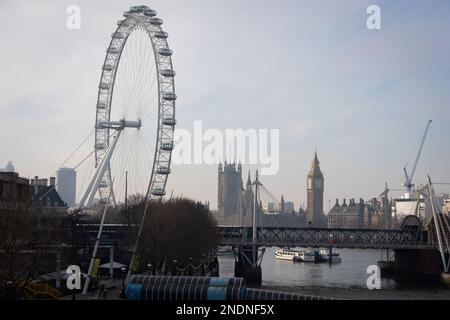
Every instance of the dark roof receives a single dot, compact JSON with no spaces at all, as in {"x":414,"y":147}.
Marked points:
{"x":48,"y":192}
{"x":351,"y":209}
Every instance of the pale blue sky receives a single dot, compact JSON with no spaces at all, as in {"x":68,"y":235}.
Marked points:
{"x":309,"y":68}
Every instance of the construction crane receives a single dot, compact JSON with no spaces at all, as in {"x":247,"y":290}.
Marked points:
{"x":409,"y":177}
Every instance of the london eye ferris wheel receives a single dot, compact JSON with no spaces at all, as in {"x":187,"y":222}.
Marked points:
{"x":135,"y":111}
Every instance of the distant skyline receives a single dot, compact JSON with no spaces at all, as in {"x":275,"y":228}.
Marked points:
{"x":311,"y":69}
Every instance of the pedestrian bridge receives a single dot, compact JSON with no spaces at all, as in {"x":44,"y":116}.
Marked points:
{"x":402,"y":238}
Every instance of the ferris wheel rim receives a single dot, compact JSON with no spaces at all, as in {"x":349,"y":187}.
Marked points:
{"x":166,"y":98}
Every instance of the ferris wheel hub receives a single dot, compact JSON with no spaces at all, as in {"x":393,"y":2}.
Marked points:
{"x":121,"y":124}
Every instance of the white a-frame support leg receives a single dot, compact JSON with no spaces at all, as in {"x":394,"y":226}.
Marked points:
{"x":94,"y":183}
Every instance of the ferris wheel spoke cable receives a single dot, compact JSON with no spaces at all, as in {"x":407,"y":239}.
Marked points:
{"x":77,"y":148}
{"x":149,"y":99}
{"x":66,"y":176}
{"x":138,"y":106}
{"x":65,"y":162}
{"x":135,"y":78}
{"x":123,"y":159}
{"x":147,"y":153}
{"x":149,"y":83}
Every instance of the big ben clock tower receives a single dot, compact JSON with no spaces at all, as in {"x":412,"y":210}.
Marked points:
{"x":314,"y":187}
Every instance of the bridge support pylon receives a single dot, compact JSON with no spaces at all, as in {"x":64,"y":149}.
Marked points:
{"x":248,"y":263}
{"x":422,"y":265}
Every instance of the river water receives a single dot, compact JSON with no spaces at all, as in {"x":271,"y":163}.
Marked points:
{"x":345,"y":280}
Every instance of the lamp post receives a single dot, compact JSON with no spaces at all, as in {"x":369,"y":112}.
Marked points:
{"x":122,"y":293}
{"x":174,"y":271}
{"x":203,"y":264}
{"x":10,"y":290}
{"x":150,"y":268}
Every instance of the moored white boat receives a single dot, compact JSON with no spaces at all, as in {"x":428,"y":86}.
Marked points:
{"x":287,"y":254}
{"x":307,"y":256}
{"x":325,"y":256}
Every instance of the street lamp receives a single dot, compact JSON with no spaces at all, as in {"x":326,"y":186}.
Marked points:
{"x":190,"y":267}
{"x":122,"y":293}
{"x":9,"y":284}
{"x":150,"y":268}
{"x":174,"y":271}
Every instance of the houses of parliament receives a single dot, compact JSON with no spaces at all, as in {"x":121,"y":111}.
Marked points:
{"x":236,"y":203}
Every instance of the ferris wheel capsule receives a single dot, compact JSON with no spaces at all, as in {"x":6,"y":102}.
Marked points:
{"x":149,"y":13}
{"x":158,"y":192}
{"x":169,"y":96}
{"x":169,"y":122}
{"x":108,"y":67}
{"x":161,"y":35}
{"x":163,"y":170}
{"x":168,"y":73}
{"x":167,"y":146}
{"x":156,"y":21}
{"x":165,"y":52}
{"x":138,"y":9}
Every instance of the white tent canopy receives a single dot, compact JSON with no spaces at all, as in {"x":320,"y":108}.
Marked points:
{"x":115,"y":265}
{"x":63,"y":275}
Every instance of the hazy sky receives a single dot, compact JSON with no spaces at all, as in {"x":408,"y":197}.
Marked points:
{"x":309,"y":68}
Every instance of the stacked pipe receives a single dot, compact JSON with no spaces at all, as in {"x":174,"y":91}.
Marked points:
{"x":164,"y":288}
{"x":158,"y":288}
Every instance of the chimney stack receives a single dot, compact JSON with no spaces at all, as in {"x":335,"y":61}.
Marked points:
{"x":36,"y":185}
{"x":52,"y":181}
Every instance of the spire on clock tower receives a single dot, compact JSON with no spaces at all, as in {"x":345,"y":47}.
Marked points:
{"x":315,"y":165}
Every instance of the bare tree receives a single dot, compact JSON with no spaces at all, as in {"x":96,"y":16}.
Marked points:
{"x":29,"y":242}
{"x":179,"y":229}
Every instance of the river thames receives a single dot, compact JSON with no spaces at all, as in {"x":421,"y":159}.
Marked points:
{"x":345,"y":280}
